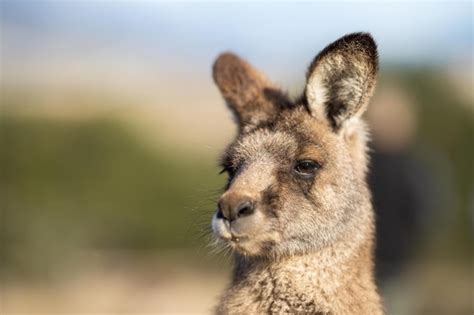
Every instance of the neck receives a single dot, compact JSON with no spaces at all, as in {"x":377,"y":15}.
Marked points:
{"x":341,"y":262}
{"x":333,"y":279}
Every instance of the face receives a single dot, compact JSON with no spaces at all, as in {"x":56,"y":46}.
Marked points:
{"x":290,"y":188}
{"x":296,"y":170}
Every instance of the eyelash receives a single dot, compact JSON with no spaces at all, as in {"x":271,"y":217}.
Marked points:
{"x":306,"y":168}
{"x":229,"y":169}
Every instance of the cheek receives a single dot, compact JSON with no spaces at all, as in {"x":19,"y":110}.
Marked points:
{"x":291,"y":185}
{"x":305,"y":212}
{"x":271,"y":201}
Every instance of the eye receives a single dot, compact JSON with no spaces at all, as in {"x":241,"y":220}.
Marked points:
{"x":306,"y":168}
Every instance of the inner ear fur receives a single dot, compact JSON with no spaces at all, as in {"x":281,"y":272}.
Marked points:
{"x":341,"y":78}
{"x":248,"y":93}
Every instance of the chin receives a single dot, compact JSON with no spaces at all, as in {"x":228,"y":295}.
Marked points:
{"x":247,"y":248}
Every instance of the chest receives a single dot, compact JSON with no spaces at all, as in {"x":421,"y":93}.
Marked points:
{"x":281,"y":293}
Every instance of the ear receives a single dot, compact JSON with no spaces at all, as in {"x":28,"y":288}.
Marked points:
{"x":341,"y":79}
{"x":248,"y":93}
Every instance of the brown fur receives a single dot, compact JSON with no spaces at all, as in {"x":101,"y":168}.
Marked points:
{"x":304,"y":244}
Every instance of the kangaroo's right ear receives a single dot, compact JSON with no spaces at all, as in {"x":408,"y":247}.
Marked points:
{"x":247,"y":92}
{"x":341,"y":78}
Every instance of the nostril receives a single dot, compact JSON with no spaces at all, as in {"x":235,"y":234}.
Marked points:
{"x":233,"y":207}
{"x":244,"y":209}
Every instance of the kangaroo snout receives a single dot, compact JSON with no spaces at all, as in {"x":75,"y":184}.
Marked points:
{"x":234,"y":206}
{"x":237,"y":217}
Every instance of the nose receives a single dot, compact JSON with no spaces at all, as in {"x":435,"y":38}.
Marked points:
{"x":232,"y":207}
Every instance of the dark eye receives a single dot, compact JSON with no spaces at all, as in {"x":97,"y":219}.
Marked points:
{"x":306,"y":168}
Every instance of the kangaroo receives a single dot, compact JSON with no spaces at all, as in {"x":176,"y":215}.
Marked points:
{"x":296,"y":209}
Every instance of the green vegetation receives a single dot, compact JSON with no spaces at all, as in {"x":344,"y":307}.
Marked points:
{"x":446,"y":128}
{"x":93,"y":184}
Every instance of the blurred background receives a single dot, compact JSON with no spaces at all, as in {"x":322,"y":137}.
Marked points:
{"x":111,"y":128}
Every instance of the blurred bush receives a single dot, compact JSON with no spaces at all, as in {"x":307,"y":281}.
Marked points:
{"x":67,"y":185}
{"x":444,"y":144}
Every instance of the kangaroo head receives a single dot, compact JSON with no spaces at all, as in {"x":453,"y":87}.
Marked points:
{"x":297,"y":168}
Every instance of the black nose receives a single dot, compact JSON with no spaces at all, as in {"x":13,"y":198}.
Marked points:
{"x":234,"y":207}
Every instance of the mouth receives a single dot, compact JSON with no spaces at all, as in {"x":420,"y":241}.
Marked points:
{"x":232,"y":238}
{"x":238,"y":239}
{"x":224,"y":232}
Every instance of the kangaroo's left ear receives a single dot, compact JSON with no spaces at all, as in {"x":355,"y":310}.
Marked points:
{"x":341,"y":79}
{"x":248,"y":93}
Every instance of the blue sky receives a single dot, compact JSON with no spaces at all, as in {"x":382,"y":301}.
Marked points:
{"x":404,"y":30}
{"x":280,"y":35}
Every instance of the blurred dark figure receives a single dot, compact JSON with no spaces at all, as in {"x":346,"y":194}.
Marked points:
{"x":400,"y":184}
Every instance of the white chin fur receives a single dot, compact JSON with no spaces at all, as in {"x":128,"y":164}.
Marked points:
{"x":219,"y":228}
